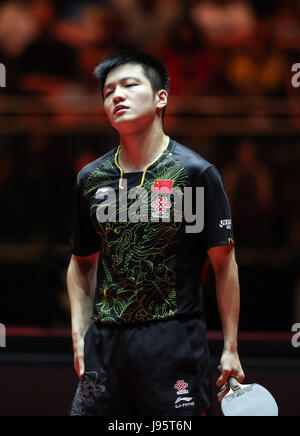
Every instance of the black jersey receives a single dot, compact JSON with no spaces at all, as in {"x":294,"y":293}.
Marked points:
{"x":150,"y":267}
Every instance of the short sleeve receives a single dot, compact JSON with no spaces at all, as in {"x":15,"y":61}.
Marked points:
{"x":218,"y":229}
{"x":84,"y":239}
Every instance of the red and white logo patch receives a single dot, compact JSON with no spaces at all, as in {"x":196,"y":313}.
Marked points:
{"x":181,"y":386}
{"x":160,"y":207}
{"x":161,"y":204}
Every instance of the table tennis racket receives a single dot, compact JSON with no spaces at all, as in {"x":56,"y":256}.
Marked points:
{"x":248,"y":400}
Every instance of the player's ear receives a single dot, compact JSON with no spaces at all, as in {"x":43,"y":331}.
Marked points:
{"x":162,"y":99}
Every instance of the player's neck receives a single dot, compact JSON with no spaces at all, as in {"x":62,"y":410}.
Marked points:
{"x":141,"y":147}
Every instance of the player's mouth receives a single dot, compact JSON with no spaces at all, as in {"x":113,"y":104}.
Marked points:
{"x":120,"y":109}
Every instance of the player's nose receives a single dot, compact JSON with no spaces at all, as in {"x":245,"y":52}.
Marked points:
{"x":119,"y":96}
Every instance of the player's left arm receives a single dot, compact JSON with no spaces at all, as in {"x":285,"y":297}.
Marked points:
{"x":225,"y":267}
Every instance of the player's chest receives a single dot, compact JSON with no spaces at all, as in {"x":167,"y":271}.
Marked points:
{"x":129,"y":200}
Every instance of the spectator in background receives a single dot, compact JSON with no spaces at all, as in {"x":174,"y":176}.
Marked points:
{"x":92,"y":25}
{"x":148,"y":21}
{"x":47,"y":62}
{"x":257,"y":68}
{"x":248,"y":183}
{"x":285,"y":22}
{"x":17,"y":30}
{"x":70,"y":9}
{"x":93,"y":31}
{"x":285,"y":31}
{"x":225,"y":23}
{"x":193,"y":67}
{"x":109,"y":37}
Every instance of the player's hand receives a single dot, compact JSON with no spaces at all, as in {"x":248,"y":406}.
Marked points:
{"x":79,"y":356}
{"x":230,"y":365}
{"x":223,"y":391}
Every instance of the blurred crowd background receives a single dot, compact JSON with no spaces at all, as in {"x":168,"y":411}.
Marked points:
{"x":231,"y":100}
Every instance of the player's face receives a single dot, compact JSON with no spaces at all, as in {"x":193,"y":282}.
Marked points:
{"x":128,"y":96}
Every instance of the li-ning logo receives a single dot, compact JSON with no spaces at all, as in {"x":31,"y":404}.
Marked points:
{"x":186,"y":399}
{"x":2,"y":76}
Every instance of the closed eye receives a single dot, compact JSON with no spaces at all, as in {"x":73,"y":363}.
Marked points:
{"x":126,"y":86}
{"x":107,"y":94}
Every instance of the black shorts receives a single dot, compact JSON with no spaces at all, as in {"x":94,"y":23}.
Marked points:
{"x":156,"y":368}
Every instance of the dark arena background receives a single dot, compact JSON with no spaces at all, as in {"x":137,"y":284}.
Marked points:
{"x":235,"y":99}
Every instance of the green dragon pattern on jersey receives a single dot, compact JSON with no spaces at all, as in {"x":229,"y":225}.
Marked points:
{"x":137,"y":260}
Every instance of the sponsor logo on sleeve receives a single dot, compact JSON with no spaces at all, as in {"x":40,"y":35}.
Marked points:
{"x":225,"y":223}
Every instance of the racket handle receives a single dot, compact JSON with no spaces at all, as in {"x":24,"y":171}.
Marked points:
{"x":233,"y":383}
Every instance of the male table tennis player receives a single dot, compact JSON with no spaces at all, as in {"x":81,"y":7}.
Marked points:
{"x":145,"y":352}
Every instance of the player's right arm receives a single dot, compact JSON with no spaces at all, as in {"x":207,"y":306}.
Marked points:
{"x":81,"y":284}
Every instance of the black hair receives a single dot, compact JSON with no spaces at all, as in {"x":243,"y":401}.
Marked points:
{"x":154,"y":69}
